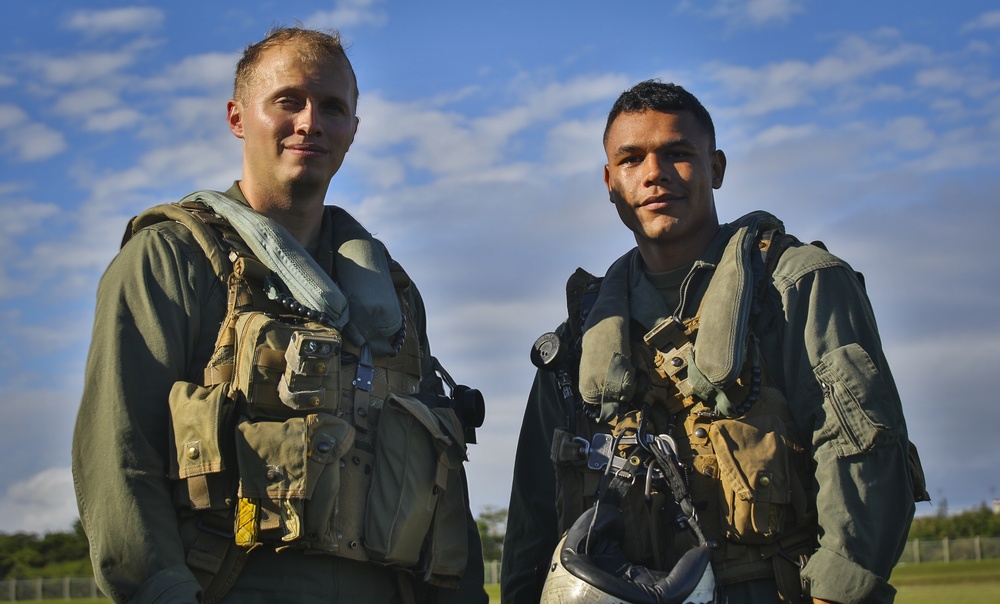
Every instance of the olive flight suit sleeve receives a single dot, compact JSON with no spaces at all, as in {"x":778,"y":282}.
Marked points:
{"x":842,"y":393}
{"x":470,"y":590}
{"x":532,"y":522}
{"x":151,"y":328}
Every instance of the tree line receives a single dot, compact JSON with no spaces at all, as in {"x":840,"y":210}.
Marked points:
{"x":65,"y":554}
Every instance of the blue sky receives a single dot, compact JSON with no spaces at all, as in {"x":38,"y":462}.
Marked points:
{"x":874,"y":126}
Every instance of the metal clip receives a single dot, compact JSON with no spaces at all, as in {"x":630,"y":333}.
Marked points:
{"x":366,"y":371}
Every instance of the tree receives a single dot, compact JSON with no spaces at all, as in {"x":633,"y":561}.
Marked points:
{"x":492,"y":523}
{"x":61,"y":554}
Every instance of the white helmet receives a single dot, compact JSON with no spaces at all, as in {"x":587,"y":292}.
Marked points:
{"x":589,"y":567}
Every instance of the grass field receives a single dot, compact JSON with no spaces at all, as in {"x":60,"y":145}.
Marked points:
{"x":933,"y":583}
{"x":948,"y":583}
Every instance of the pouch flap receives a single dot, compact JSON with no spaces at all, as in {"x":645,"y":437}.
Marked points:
{"x":753,"y":457}
{"x":196,"y":414}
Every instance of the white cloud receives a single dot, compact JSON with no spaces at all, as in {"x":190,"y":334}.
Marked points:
{"x":449,"y":143}
{"x":41,"y":503}
{"x":845,"y":73}
{"x":349,"y":13}
{"x":19,"y":216}
{"x":115,"y":21}
{"x":740,"y":13}
{"x":109,"y":121}
{"x":86,"y":100}
{"x":82,"y":68}
{"x":208,"y":71}
{"x":26,"y":140}
{"x":985,"y":21}
{"x":910,"y":133}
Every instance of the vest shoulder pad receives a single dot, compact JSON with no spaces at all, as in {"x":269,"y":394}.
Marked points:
{"x":200,"y":220}
{"x":581,"y":293}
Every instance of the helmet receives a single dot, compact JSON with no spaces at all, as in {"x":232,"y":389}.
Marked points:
{"x":589,"y":567}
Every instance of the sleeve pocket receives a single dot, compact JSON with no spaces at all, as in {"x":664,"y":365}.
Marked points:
{"x":861,"y":411}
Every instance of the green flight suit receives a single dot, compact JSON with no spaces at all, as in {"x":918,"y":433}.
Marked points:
{"x":159,"y":309}
{"x":816,"y":320}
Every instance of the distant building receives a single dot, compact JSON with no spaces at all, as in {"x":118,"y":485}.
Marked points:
{"x":996,"y":505}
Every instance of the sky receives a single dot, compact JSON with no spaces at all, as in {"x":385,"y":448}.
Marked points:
{"x":872,"y":126}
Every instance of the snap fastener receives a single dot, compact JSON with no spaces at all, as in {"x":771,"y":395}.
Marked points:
{"x":320,"y":368}
{"x":764,"y":481}
{"x":701,"y":432}
{"x":314,"y":401}
{"x":324,"y":447}
{"x":193,"y":453}
{"x":676,"y":361}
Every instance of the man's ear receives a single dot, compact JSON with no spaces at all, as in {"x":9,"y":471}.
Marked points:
{"x":607,"y":180}
{"x":718,"y":168}
{"x":234,"y":115}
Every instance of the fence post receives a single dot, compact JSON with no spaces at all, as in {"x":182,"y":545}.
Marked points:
{"x":39,"y":593}
{"x":93,"y":588}
{"x":947,"y":549}
{"x":979,"y":549}
{"x":916,"y":551}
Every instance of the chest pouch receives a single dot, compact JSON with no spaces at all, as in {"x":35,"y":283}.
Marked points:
{"x":285,"y":365}
{"x":201,"y":423}
{"x":416,"y":490}
{"x":754,"y":475}
{"x":290,"y":479}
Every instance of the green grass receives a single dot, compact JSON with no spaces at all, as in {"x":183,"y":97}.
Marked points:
{"x":932,"y":583}
{"x":947,"y":573}
{"x":966,"y":582}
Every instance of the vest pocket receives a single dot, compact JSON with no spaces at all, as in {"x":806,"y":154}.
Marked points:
{"x":418,"y":459}
{"x":282,"y":364}
{"x":753,"y":460}
{"x":198,"y":418}
{"x":290,"y":475}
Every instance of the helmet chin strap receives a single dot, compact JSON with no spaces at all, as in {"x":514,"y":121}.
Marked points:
{"x":589,"y":567}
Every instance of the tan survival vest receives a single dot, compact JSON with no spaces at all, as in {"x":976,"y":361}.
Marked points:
{"x":299,"y":439}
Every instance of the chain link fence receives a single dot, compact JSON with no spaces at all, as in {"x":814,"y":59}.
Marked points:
{"x":950,"y":550}
{"x":66,"y":588}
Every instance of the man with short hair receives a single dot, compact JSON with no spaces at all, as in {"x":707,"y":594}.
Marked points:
{"x":721,"y":376}
{"x":256,"y":356}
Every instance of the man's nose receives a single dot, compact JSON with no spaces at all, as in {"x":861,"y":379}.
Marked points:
{"x":656,"y":171}
{"x":307,"y":121}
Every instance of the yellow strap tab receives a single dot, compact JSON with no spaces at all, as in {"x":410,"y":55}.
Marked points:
{"x":247,"y":525}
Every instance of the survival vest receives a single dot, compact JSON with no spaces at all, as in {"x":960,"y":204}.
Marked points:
{"x":300,"y":439}
{"x":700,"y":381}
